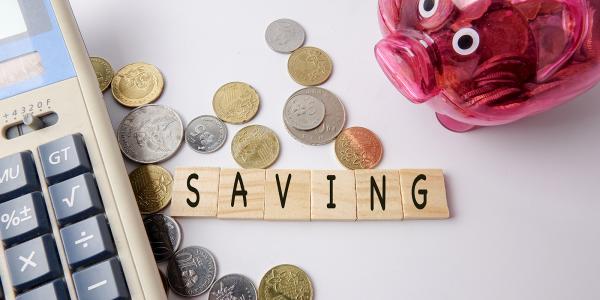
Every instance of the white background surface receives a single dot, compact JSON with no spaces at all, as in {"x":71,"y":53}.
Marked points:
{"x":524,"y":197}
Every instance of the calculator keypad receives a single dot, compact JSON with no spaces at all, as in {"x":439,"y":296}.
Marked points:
{"x":30,"y":248}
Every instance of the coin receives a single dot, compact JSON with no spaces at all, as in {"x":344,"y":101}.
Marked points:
{"x":164,"y":235}
{"x":150,"y":134}
{"x":206,"y":134}
{"x":333,"y":123}
{"x":310,"y":66}
{"x":233,"y":287}
{"x":152,"y":186}
{"x":304,"y":112}
{"x":137,"y":84}
{"x":285,"y":282}
{"x":191,"y":271}
{"x":358,"y":148}
{"x":164,"y":280}
{"x":255,"y":147}
{"x":104,"y":72}
{"x":236,"y":102}
{"x":285,"y":35}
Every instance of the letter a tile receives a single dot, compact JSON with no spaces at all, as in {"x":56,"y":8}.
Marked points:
{"x":241,"y":194}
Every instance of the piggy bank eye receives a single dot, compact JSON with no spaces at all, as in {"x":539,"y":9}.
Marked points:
{"x":465,"y":41}
{"x":427,"y":7}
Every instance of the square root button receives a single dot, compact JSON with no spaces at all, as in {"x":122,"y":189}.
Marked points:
{"x":64,"y":158}
{"x":87,"y":242}
{"x":23,"y":218}
{"x":102,"y":281}
{"x":75,"y":199}
{"x":33,"y":262}
{"x":18,"y":176}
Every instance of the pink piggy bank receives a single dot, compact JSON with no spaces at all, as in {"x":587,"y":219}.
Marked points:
{"x":489,"y":62}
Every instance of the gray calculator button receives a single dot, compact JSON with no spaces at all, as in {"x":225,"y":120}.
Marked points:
{"x":102,"y":281}
{"x":64,"y":158}
{"x":23,"y":218}
{"x":75,"y":199}
{"x":18,"y":176}
{"x":87,"y":242}
{"x":55,"y":290}
{"x":33,"y":262}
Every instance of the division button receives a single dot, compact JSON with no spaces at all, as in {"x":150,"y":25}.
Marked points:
{"x":33,"y":262}
{"x":87,"y":242}
{"x":102,"y":281}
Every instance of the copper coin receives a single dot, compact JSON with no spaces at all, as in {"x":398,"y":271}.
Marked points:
{"x":358,"y":148}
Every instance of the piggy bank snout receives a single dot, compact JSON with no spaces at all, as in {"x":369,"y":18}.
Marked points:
{"x":407,"y":58}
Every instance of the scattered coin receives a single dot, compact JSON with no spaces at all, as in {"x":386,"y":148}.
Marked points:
{"x":285,"y":35}
{"x":234,"y":287}
{"x":333,"y":123}
{"x":191,"y":271}
{"x":310,"y":66}
{"x":358,"y":148}
{"x":137,"y":84}
{"x":285,"y":282}
{"x":164,"y":234}
{"x":152,"y":186}
{"x":104,"y":72}
{"x":255,"y":147}
{"x":206,"y":134}
{"x":164,"y":280}
{"x":150,"y":134}
{"x":304,"y":112}
{"x":236,"y":103}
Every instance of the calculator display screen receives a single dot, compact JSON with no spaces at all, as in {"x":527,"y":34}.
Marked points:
{"x":33,"y":53}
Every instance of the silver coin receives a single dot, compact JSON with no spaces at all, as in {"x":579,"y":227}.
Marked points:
{"x":304,"y":112}
{"x":285,"y":35}
{"x":164,"y":235}
{"x":333,"y":123}
{"x":150,"y":134}
{"x":206,"y":134}
{"x":233,"y":287}
{"x":191,"y":271}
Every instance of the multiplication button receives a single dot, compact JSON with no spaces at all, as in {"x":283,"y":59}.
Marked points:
{"x":33,"y":262}
{"x":102,"y":281}
{"x":64,"y":158}
{"x":18,"y":176}
{"x":23,"y":218}
{"x":87,"y":242}
{"x":75,"y":199}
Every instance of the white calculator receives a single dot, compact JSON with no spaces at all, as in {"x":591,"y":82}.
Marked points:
{"x":70,"y":227}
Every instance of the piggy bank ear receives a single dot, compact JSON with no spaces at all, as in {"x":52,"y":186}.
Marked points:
{"x":389,"y":15}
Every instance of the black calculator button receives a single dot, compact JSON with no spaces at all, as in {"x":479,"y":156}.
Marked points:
{"x":75,"y":199}
{"x":64,"y":158}
{"x":102,"y":281}
{"x":55,"y":290}
{"x":33,"y":262}
{"x":18,"y":176}
{"x":87,"y":242}
{"x":23,"y":218}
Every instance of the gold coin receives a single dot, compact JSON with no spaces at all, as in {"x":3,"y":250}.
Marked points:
{"x":255,"y":147}
{"x":310,"y":66}
{"x":152,"y":186}
{"x":285,"y":282}
{"x":104,"y":72}
{"x":236,"y":103}
{"x":358,"y":148}
{"x":137,"y":84}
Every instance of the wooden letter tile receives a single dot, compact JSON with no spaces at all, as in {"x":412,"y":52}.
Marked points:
{"x":195,"y":192}
{"x":241,"y":194}
{"x":378,"y":195}
{"x":333,"y":195}
{"x":287,"y":195}
{"x":424,"y":194}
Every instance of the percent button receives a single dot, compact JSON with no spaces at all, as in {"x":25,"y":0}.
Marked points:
{"x":23,"y":218}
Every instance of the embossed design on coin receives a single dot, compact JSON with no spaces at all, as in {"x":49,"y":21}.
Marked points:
{"x":304,"y":112}
{"x":236,"y":103}
{"x":333,"y":123}
{"x":137,"y":84}
{"x":206,"y":134}
{"x":233,"y":287}
{"x":255,"y":147}
{"x":358,"y":148}
{"x":152,"y":186}
{"x":104,"y":72}
{"x":191,"y":271}
{"x":310,"y":66}
{"x":150,"y":134}
{"x":285,"y":35}
{"x":285,"y":282}
{"x":164,"y":235}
